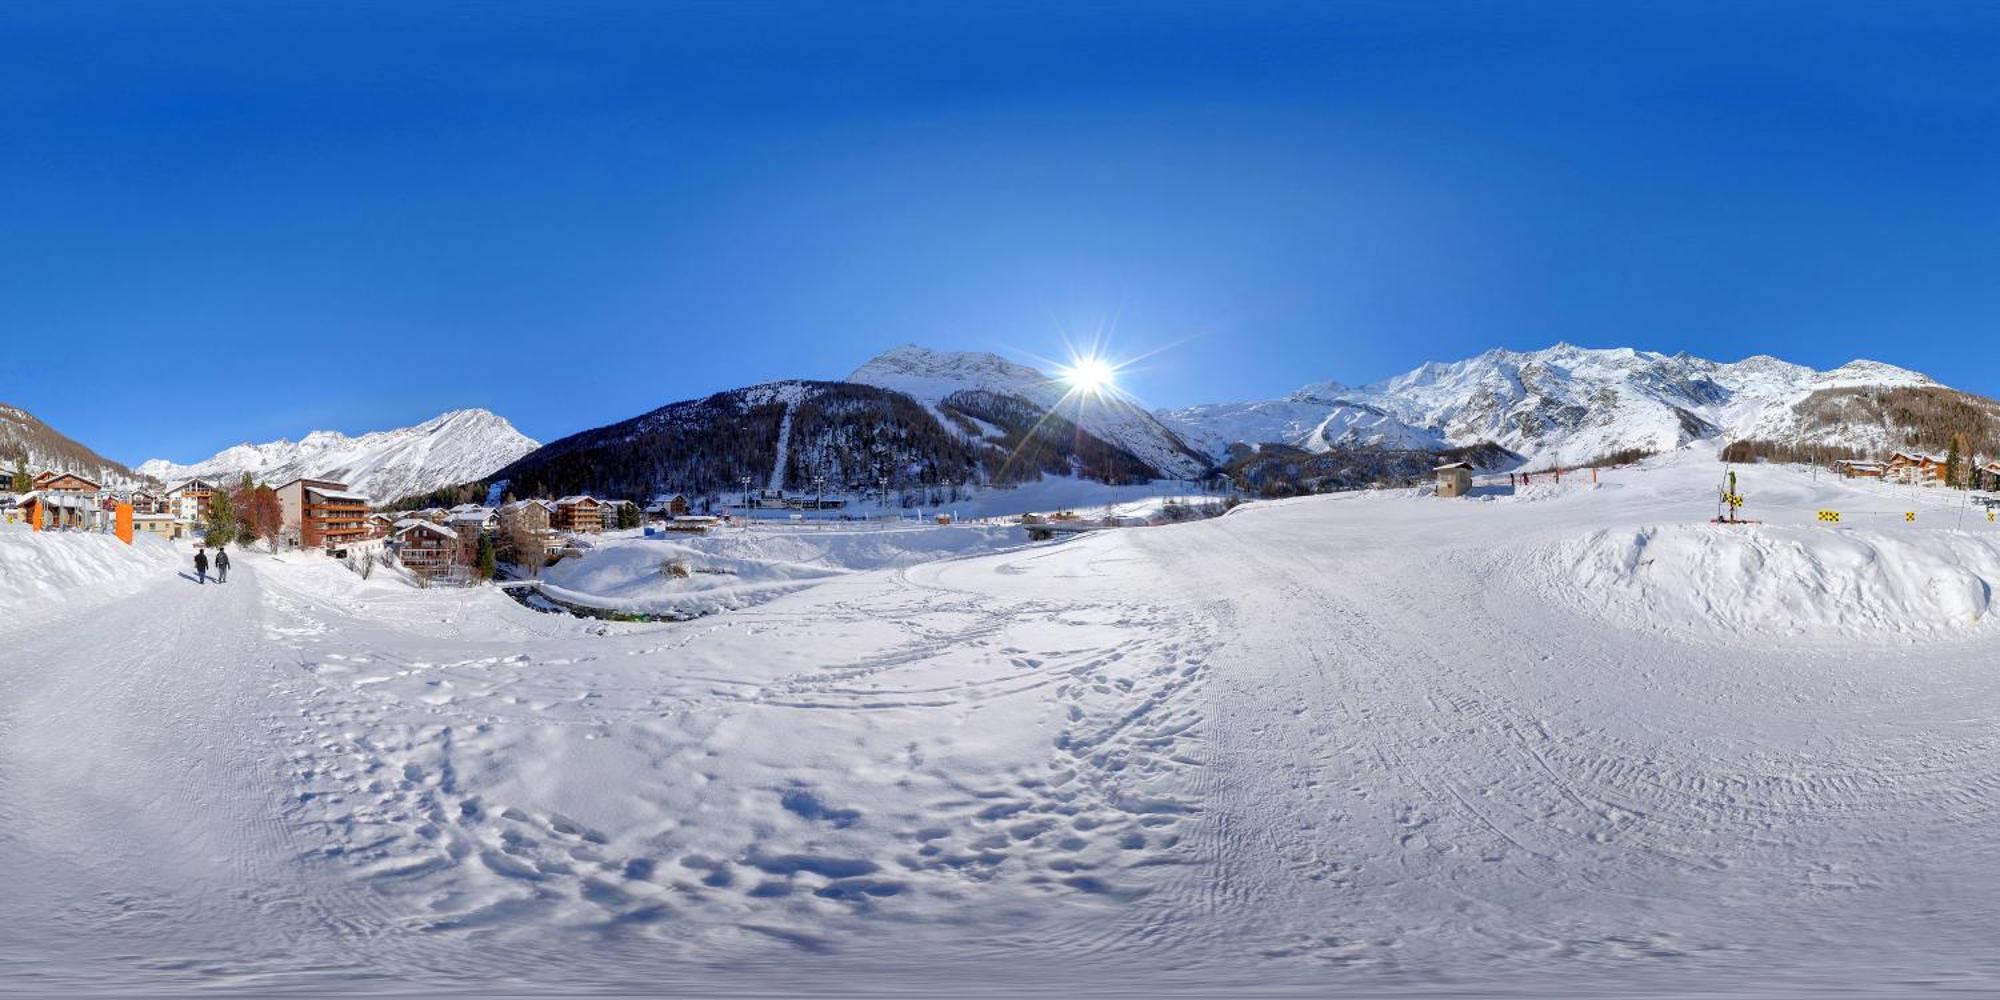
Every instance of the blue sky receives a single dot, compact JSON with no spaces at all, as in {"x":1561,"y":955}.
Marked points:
{"x":243,"y":221}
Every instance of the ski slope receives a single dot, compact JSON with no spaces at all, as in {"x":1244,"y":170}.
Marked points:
{"x":1373,"y":743}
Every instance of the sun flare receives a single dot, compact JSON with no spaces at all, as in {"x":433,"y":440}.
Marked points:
{"x":1091,"y":375}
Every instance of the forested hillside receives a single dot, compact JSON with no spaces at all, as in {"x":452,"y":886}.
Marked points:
{"x":854,"y":436}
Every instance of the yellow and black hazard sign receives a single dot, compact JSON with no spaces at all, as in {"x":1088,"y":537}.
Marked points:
{"x":1830,"y":516}
{"x":1989,"y":513}
{"x":1909,"y":515}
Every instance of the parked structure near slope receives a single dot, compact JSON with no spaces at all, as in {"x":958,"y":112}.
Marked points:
{"x":1454,"y":479}
{"x":1854,"y":468}
{"x":321,"y":513}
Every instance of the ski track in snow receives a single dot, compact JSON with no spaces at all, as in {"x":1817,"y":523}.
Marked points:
{"x":784,"y":449}
{"x":1330,"y":743}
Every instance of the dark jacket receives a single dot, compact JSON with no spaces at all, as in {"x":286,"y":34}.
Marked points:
{"x":201,"y":561}
{"x":222,"y":560}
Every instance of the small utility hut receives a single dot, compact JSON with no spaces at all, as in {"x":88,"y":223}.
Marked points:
{"x":1454,"y":479}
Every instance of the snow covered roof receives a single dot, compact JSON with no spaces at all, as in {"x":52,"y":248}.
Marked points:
{"x":328,"y":494}
{"x":415,"y":525}
{"x":1453,"y":465}
{"x":573,"y":501}
{"x":479,"y":515}
{"x":56,"y":498}
{"x":190,"y":484}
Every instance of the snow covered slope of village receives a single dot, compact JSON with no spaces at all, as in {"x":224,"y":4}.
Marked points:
{"x":1562,"y":738}
{"x":26,"y":440}
{"x":931,"y":376}
{"x":449,"y":449}
{"x":1564,"y":404}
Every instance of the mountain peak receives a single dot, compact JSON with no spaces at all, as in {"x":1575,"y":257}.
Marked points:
{"x":25,"y":437}
{"x":911,"y":360}
{"x":930,"y":376}
{"x":454,"y":447}
{"x":1563,"y":403}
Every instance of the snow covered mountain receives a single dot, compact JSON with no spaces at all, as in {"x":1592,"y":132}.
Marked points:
{"x":452,"y":448}
{"x":786,"y":435}
{"x":25,"y":440}
{"x":1569,"y":404}
{"x":934,"y":377}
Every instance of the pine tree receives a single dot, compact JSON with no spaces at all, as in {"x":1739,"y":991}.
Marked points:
{"x":1954,"y":460}
{"x":22,"y":481}
{"x":222,"y":527}
{"x":484,"y":560}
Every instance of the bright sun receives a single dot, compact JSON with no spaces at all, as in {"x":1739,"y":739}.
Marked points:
{"x":1092,"y":375}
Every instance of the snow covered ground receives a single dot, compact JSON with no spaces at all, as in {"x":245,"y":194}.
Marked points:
{"x":1050,"y":493}
{"x":736,"y":566}
{"x":1569,"y":738}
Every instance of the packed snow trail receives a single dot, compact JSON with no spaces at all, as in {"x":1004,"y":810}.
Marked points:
{"x":140,"y":795}
{"x":1347,"y":743}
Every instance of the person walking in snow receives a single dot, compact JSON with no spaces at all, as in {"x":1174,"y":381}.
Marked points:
{"x":221,"y":565}
{"x":200,"y":566}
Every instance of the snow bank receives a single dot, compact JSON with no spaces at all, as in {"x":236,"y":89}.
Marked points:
{"x":41,"y":572}
{"x":1779,"y":580}
{"x":735,"y":568}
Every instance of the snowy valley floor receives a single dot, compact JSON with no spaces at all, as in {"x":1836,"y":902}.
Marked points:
{"x":1565,"y":739}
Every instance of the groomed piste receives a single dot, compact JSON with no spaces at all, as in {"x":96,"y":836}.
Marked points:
{"x":1563,"y":738}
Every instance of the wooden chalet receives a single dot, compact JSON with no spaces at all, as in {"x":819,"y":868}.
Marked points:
{"x":529,"y":517}
{"x":56,"y":510}
{"x":426,"y":548}
{"x":578,"y":514}
{"x":60,"y":501}
{"x":1914,"y":467}
{"x":1987,"y":477}
{"x":148,"y":502}
{"x":64,"y":482}
{"x":668,"y":505}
